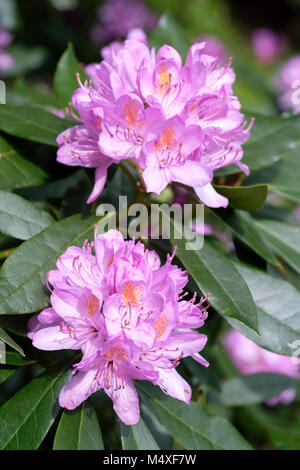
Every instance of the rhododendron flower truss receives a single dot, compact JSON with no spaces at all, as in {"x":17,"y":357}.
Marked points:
{"x":178,"y":122}
{"x":128,"y":314}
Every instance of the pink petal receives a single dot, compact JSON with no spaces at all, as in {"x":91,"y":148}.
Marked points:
{"x":210,"y":197}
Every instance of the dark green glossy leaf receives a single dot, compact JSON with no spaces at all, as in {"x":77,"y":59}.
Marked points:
{"x":15,"y":171}
{"x":215,"y":274}
{"x":247,"y":198}
{"x":14,"y":359}
{"x":5,"y":374}
{"x":272,"y":139}
{"x":285,"y":240}
{"x":79,"y":430}
{"x":137,"y":437}
{"x":53,"y":190}
{"x":27,"y":93}
{"x":285,"y":438}
{"x":8,"y":340}
{"x":283,"y":176}
{"x":192,"y":426}
{"x":65,"y":80}
{"x":23,"y":274}
{"x":32,"y":123}
{"x":27,"y":416}
{"x":254,"y":388}
{"x":243,"y":225}
{"x":19,"y":218}
{"x":278,"y":310}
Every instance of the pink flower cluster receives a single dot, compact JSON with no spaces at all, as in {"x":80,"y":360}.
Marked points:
{"x":251,"y":359}
{"x":128,"y":315}
{"x":178,"y":122}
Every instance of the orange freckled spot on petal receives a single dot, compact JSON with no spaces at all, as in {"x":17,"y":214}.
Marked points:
{"x":131,"y":112}
{"x":131,"y":293}
{"x":92,"y":304}
{"x":99,"y":123}
{"x":194,"y":106}
{"x":110,"y":261}
{"x":116,"y":352}
{"x":160,"y":325}
{"x":168,"y":136}
{"x":164,"y":79}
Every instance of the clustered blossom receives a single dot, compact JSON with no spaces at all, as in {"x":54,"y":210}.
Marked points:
{"x":288,"y":84}
{"x":267,"y":44}
{"x":178,"y":122}
{"x":6,"y":60}
{"x":118,"y":17}
{"x":127,"y":313}
{"x":250,"y":358}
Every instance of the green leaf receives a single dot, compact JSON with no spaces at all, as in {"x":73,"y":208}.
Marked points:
{"x":15,"y":171}
{"x":5,"y":374}
{"x":254,"y":388}
{"x":168,"y":31}
{"x":272,"y":139}
{"x":246,"y":198}
{"x":278,"y":310}
{"x":282,"y":177}
{"x":27,"y":416}
{"x":137,"y":437}
{"x":243,"y":225}
{"x":79,"y":430}
{"x":32,"y":123}
{"x":53,"y":190}
{"x":216,"y":274}
{"x":191,"y":425}
{"x":285,"y":239}
{"x":14,"y":359}
{"x":8,"y":340}
{"x":23,"y":274}
{"x":285,"y":438}
{"x":19,"y":218}
{"x":65,"y":80}
{"x":27,"y":93}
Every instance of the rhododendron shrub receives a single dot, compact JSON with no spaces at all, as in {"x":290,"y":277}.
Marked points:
{"x":149,"y":228}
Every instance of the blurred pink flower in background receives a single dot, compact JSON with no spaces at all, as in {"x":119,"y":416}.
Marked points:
{"x":6,"y":60}
{"x":267,"y":44}
{"x":214,"y":47}
{"x":118,"y":17}
{"x":288,"y":84}
{"x":297,"y":213}
{"x":252,"y":359}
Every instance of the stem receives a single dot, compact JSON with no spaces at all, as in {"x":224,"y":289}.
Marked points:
{"x":5,"y":253}
{"x":129,"y":175}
